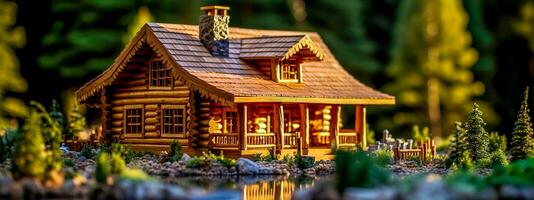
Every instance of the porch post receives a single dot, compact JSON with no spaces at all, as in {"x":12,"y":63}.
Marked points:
{"x":305,"y":124}
{"x":279,"y":125}
{"x":360,"y":124}
{"x":242,"y":110}
{"x":334,"y":125}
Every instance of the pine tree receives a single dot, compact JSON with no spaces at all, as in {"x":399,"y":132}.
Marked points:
{"x":29,"y":159}
{"x":522,"y":141}
{"x":76,"y":121}
{"x":56,"y":114}
{"x":458,"y":144}
{"x":476,"y":136}
{"x":11,"y":37}
{"x":432,"y":77}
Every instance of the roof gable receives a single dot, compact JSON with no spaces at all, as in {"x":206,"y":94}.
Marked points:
{"x":282,"y":47}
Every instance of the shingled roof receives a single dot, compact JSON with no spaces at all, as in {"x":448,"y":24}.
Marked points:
{"x":230,"y":79}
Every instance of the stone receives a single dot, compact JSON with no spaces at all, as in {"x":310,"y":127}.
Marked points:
{"x":369,"y":193}
{"x":246,"y":166}
{"x":185,"y":158}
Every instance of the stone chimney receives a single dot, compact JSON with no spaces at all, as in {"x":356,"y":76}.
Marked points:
{"x":213,"y":29}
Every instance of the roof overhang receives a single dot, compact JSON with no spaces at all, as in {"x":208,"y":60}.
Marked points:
{"x":270,"y":99}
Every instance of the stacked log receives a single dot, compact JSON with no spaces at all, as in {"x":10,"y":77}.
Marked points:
{"x":204,"y":126}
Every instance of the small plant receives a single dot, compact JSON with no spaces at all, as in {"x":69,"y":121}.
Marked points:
{"x":416,"y":159}
{"x":103,"y":167}
{"x":29,"y":158}
{"x":497,"y":141}
{"x":77,"y":122}
{"x":68,"y":162}
{"x":476,"y":135}
{"x":519,"y":173}
{"x":56,"y":114}
{"x":420,"y":134}
{"x":7,"y":142}
{"x":259,"y":157}
{"x":87,"y":151}
{"x":197,"y":162}
{"x":256,"y":157}
{"x":303,"y":162}
{"x":465,"y":163}
{"x":135,"y":175}
{"x":176,"y":151}
{"x":498,"y":158}
{"x":288,"y":160}
{"x":522,"y":138}
{"x":383,"y":157}
{"x":357,"y":169}
{"x":458,"y":145}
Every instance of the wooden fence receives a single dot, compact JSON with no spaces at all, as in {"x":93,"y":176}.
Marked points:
{"x":425,"y":150}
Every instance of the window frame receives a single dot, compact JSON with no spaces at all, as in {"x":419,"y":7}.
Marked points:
{"x":151,"y":75}
{"x":125,"y":120}
{"x":235,"y":122}
{"x":184,"y":120}
{"x":282,"y":73}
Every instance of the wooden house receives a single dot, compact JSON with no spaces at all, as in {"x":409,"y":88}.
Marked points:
{"x":215,"y":87}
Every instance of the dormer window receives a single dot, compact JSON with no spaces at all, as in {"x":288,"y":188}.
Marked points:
{"x":160,"y":75}
{"x":290,"y":71}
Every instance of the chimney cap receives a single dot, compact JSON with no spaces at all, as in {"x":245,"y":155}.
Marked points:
{"x":214,"y":7}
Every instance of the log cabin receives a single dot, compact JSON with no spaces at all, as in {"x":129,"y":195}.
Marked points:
{"x":241,"y":91}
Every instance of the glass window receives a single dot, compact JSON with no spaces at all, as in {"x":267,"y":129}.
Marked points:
{"x":160,"y":76}
{"x":289,"y":71}
{"x":134,"y":120}
{"x":173,"y":121}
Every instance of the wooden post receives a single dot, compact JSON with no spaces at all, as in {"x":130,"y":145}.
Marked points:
{"x":299,"y":145}
{"x":305,"y":124}
{"x":279,"y":125}
{"x":360,"y":124}
{"x":334,"y":125}
{"x":103,"y":113}
{"x":242,"y":109}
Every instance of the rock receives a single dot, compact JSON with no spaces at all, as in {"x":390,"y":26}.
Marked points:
{"x":246,"y":166}
{"x":309,"y":171}
{"x":431,"y":188}
{"x":369,"y":193}
{"x":527,"y":192}
{"x":185,"y":158}
{"x":32,"y":188}
{"x":510,"y":192}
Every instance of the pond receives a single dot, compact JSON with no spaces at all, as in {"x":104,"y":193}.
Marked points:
{"x":246,"y":187}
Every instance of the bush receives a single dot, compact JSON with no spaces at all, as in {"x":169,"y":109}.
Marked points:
{"x":176,"y":151}
{"x":498,"y":158}
{"x":87,"y":151}
{"x":29,"y":158}
{"x":259,"y":157}
{"x":357,"y":169}
{"x":197,"y":162}
{"x":465,"y":163}
{"x":303,"y":162}
{"x":68,"y":162}
{"x":7,"y":142}
{"x":117,"y":163}
{"x":420,"y":134}
{"x":519,"y":173}
{"x":383,"y":157}
{"x":497,"y":141}
{"x":103,"y":167}
{"x":134,"y":175}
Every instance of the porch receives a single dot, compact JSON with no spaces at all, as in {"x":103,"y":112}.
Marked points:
{"x":308,"y":129}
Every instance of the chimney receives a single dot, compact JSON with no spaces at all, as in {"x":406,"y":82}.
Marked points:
{"x":213,"y":29}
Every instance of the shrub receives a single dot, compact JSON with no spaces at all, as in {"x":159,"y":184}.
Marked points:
{"x":117,"y":163}
{"x":420,"y":134}
{"x":68,"y":162}
{"x":519,"y":173}
{"x":29,"y":158}
{"x":465,"y":163}
{"x":288,"y":160}
{"x":458,"y":144}
{"x":497,"y":141}
{"x":259,"y":157}
{"x":357,"y":169}
{"x":498,"y":158}
{"x":134,"y":175}
{"x":303,"y":162}
{"x":196,"y":162}
{"x":7,"y":142}
{"x":176,"y":151}
{"x":87,"y":151}
{"x":103,"y":167}
{"x":383,"y":157}
{"x":77,"y":122}
{"x":56,"y":114}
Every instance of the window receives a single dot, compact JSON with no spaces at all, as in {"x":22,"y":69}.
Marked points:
{"x":289,"y":71}
{"x":133,"y":120}
{"x":160,"y":76}
{"x":230,"y":121}
{"x":173,"y":119}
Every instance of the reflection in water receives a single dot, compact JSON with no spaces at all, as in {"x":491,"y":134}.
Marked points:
{"x":250,"y":187}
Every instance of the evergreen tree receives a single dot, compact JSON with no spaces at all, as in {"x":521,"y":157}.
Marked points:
{"x":476,"y":136}
{"x":431,"y":74}
{"x":522,"y":141}
{"x":29,"y":159}
{"x":56,"y":114}
{"x":498,"y":158}
{"x":11,"y":37}
{"x":52,"y":136}
{"x":77,"y":122}
{"x":458,"y":144}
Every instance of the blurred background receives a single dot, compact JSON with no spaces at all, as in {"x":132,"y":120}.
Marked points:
{"x":437,"y":57}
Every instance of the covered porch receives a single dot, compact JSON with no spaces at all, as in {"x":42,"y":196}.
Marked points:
{"x":283,"y":128}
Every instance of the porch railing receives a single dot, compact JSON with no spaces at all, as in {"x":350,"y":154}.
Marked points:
{"x":289,"y":140}
{"x":224,"y":140}
{"x":347,"y":138}
{"x":255,"y":140}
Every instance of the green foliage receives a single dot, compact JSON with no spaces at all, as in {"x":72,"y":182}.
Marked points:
{"x":430,"y":73}
{"x":52,"y":136}
{"x":522,"y":138}
{"x":11,"y":37}
{"x":87,"y":151}
{"x":303,"y":162}
{"x":357,"y":169}
{"x":519,"y":173}
{"x":458,"y":145}
{"x":420,"y":135}
{"x":462,"y":180}
{"x":77,"y":122}
{"x":207,"y":158}
{"x":370,"y":135}
{"x":497,"y":141}
{"x":260,"y":157}
{"x":30,"y":155}
{"x":476,"y":135}
{"x":498,"y":158}
{"x":7,"y":142}
{"x":383,"y":157}
{"x":135,"y":175}
{"x":197,"y":162}
{"x":56,"y":114}
{"x":68,"y":162}
{"x":465,"y":163}
{"x":176,"y":152}
{"x":103,"y":167}
{"x":117,"y":163}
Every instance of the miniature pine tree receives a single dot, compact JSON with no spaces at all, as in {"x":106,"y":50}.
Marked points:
{"x":76,"y":121}
{"x":498,"y":158}
{"x":522,"y":142}
{"x":103,"y":169}
{"x":29,"y":157}
{"x":465,"y":162}
{"x":56,"y":114}
{"x":476,"y":136}
{"x":458,"y":144}
{"x":51,"y":132}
